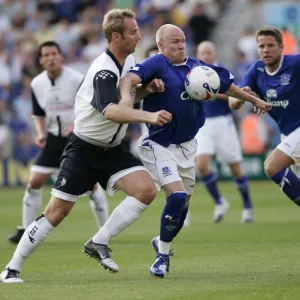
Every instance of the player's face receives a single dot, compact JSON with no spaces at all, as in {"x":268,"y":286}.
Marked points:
{"x":206,"y":54}
{"x":269,"y":50}
{"x":173,"y":46}
{"x":131,"y":36}
{"x":50,"y":58}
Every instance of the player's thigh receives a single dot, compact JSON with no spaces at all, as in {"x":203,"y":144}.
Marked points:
{"x":277,"y":161}
{"x":76,"y":176}
{"x":188,"y":176}
{"x":228,"y":143}
{"x":160,"y":162}
{"x":290,"y":145}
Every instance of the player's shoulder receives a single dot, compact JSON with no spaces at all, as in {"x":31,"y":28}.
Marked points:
{"x":292,"y":58}
{"x":39,"y":80}
{"x":156,"y":58}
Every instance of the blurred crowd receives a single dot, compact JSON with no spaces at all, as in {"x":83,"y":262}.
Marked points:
{"x":76,"y":26}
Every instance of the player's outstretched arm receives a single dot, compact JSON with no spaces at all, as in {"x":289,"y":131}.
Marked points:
{"x":241,"y":96}
{"x":123,"y":114}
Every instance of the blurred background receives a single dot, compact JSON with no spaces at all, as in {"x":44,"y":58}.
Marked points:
{"x":76,"y":26}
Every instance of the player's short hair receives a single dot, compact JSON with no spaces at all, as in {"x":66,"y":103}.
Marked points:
{"x":114,"y":21}
{"x":48,"y":44}
{"x":270,"y":31}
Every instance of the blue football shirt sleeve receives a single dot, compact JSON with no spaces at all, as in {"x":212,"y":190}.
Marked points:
{"x":249,"y":79}
{"x":226,"y":78}
{"x":149,"y":69}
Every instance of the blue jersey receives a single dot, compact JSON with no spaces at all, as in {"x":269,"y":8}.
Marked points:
{"x":216,"y":107}
{"x":187,"y":114}
{"x":281,"y":89}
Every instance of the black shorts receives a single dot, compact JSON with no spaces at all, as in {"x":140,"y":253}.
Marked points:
{"x":49,"y":157}
{"x":84,"y":164}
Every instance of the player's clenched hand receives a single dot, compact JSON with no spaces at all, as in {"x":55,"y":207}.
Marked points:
{"x":235,"y":103}
{"x":261,"y":107}
{"x":248,"y":90}
{"x":40,"y":141}
{"x":160,"y":118}
{"x":155,"y":86}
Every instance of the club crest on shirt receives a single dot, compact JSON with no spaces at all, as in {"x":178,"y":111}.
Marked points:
{"x":285,"y":79}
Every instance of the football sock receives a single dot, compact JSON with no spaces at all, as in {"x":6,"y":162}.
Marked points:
{"x":170,"y":219}
{"x":183,"y":215}
{"x":242,"y":185}
{"x":128,"y":211}
{"x":32,"y":203}
{"x":99,"y":206}
{"x":33,"y":236}
{"x":210,"y":182}
{"x":289,"y":183}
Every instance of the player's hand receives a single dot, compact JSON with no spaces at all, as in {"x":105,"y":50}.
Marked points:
{"x":68,"y":130}
{"x":235,"y":103}
{"x":41,"y":141}
{"x":261,"y":107}
{"x":160,"y":118}
{"x":155,"y":86}
{"x":248,"y":90}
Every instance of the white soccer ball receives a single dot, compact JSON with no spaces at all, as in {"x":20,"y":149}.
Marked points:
{"x":202,"y":83}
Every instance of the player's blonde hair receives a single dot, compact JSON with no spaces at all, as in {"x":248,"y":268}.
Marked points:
{"x":270,"y":31}
{"x":114,"y":21}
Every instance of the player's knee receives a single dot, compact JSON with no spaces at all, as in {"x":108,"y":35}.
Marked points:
{"x":145,"y":193}
{"x":203,"y":168}
{"x":36,"y":182}
{"x":177,"y":200}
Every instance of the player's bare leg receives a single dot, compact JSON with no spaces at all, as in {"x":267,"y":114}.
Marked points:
{"x":277,"y":169}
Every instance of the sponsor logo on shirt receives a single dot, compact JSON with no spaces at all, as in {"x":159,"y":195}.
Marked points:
{"x":271,"y":97}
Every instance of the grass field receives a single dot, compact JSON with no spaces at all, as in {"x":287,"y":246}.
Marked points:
{"x":212,"y":261}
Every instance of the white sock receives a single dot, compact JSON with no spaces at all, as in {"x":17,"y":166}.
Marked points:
{"x":32,"y":203}
{"x":123,"y":215}
{"x":33,"y":236}
{"x":99,"y":205}
{"x":163,"y":247}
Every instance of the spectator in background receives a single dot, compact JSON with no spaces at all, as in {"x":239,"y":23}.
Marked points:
{"x":289,"y":42}
{"x":241,"y":65}
{"x":6,"y":146}
{"x":247,"y":44}
{"x":200,"y":24}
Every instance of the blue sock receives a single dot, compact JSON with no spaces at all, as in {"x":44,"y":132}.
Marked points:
{"x":181,"y":220}
{"x":242,"y":185}
{"x":210,"y":182}
{"x":170,"y":218}
{"x":289,"y":184}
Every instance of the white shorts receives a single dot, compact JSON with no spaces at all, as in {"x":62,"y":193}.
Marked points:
{"x":219,"y":137}
{"x":169,"y":164}
{"x":290,"y":145}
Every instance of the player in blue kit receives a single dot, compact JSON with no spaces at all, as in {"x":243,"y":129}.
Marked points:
{"x":276,"y":79}
{"x":223,"y":143}
{"x":168,"y":152}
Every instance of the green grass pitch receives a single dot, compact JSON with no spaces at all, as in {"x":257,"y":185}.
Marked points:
{"x":212,"y":261}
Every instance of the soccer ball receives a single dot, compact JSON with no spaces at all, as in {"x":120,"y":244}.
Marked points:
{"x":202,"y":83}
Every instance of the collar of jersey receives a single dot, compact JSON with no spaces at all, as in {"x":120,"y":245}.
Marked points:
{"x":109,"y":53}
{"x":279,"y":67}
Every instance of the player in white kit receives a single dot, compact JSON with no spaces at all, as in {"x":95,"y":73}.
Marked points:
{"x":53,"y":99}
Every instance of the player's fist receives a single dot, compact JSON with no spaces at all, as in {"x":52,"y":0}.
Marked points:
{"x":155,"y":86}
{"x":40,"y":141}
{"x":261,"y":107}
{"x":235,"y":103}
{"x":160,"y":118}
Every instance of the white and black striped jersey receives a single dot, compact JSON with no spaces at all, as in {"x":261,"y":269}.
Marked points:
{"x":54,"y":99}
{"x":97,"y":92}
